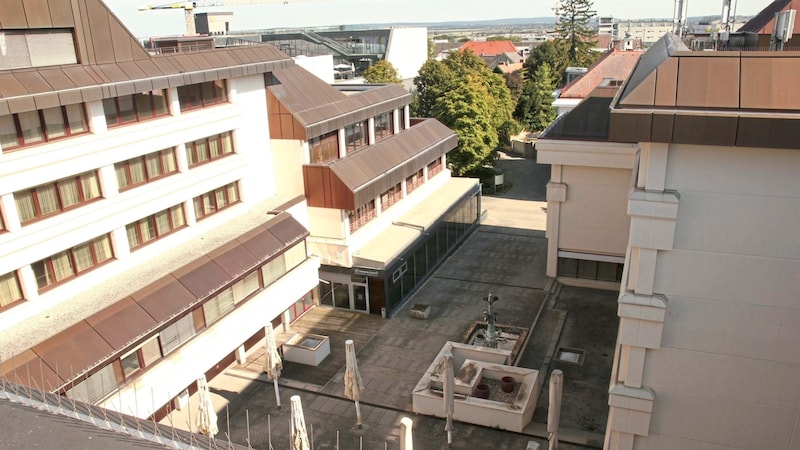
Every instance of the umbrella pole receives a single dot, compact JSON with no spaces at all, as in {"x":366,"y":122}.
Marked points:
{"x":358,"y":414}
{"x":449,"y":438}
{"x":277,"y":394}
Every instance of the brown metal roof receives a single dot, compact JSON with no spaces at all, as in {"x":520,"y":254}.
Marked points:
{"x":113,"y":62}
{"x":710,"y":98}
{"x":116,"y":329}
{"x":321,"y":108}
{"x":369,"y":172}
{"x":587,"y":121}
{"x":762,"y":22}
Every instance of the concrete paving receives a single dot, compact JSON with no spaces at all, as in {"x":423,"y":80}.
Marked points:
{"x":505,"y":256}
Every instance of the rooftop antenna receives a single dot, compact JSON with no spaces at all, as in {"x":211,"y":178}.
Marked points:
{"x":783,"y":29}
{"x":679,"y":17}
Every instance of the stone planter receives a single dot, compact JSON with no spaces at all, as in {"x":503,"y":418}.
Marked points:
{"x":420,"y":311}
{"x":309,"y":349}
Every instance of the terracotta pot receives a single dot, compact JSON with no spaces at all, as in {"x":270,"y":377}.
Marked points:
{"x":481,"y":391}
{"x":507,"y":384}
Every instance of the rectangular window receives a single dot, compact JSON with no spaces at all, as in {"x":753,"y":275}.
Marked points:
{"x":324,"y":148}
{"x":176,"y":334}
{"x":362,"y":215}
{"x":155,"y":227}
{"x":36,"y":48}
{"x":135,"y":107}
{"x":96,"y":386}
{"x":414,"y":181}
{"x":391,"y":196}
{"x":56,"y":197}
{"x":146,"y":168}
{"x":45,"y":125}
{"x":216,"y":200}
{"x":218,"y":306}
{"x":201,"y":95}
{"x":355,"y":136}
{"x":434,"y":167}
{"x":384,"y":125}
{"x":273,"y":270}
{"x":295,"y":255}
{"x":10,"y":291}
{"x":209,"y":148}
{"x":245,"y":287}
{"x":70,"y":263}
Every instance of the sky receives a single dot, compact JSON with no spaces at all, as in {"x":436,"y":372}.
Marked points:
{"x":312,"y":13}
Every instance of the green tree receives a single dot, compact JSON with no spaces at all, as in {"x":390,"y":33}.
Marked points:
{"x":504,"y":38}
{"x":464,"y":109}
{"x":382,"y":72}
{"x":573,"y":28}
{"x":535,"y":110}
{"x":433,"y":80}
{"x":553,"y":53}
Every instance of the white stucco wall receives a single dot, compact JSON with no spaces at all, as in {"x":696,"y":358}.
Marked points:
{"x":727,"y":374}
{"x":407,"y":50}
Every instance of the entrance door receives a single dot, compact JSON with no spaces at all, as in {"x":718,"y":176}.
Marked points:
{"x":360,"y":297}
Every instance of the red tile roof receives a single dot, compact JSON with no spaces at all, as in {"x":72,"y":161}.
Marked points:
{"x":616,"y":64}
{"x":489,"y":48}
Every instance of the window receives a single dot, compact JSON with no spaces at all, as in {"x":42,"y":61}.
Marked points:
{"x":245,"y":287}
{"x":155,"y":227}
{"x":146,"y":168}
{"x":96,"y":386}
{"x":415,"y":181}
{"x":216,"y":200}
{"x":434,"y":167}
{"x":10,"y":291}
{"x":135,"y":108}
{"x":283,"y":263}
{"x":324,"y":148}
{"x":44,"y":125}
{"x":176,"y":334}
{"x":36,"y":48}
{"x":209,"y":148}
{"x":218,"y":306}
{"x":73,"y":262}
{"x":384,"y":125}
{"x":362,"y":215}
{"x":140,"y":358}
{"x":204,"y":94}
{"x":57,"y":197}
{"x":355,"y":136}
{"x":391,"y":196}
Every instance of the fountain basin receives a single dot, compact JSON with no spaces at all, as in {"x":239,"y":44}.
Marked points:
{"x":510,"y":338}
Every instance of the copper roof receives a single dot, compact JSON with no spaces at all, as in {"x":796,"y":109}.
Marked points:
{"x":587,"y":121}
{"x":321,"y":108}
{"x":710,"y":98}
{"x":764,"y":21}
{"x":109,"y":333}
{"x":112,"y":61}
{"x":614,"y":64}
{"x":370,"y":172}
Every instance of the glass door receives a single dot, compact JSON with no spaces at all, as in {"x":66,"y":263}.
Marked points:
{"x":360,"y":297}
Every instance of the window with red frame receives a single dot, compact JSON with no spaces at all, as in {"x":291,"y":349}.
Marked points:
{"x":209,"y":148}
{"x":135,"y":108}
{"x":415,"y":181}
{"x":324,"y":148}
{"x":362,"y":215}
{"x":200,"y":95}
{"x":145,"y":168}
{"x":44,"y":125}
{"x":155,"y":227}
{"x":434,"y":167}
{"x":10,"y":291}
{"x":384,"y":125}
{"x":53,"y":198}
{"x":216,"y":200}
{"x":391,"y":196}
{"x":74,"y":262}
{"x":355,"y":136}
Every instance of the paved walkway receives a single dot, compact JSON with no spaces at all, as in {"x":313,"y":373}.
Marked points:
{"x":505,"y":256}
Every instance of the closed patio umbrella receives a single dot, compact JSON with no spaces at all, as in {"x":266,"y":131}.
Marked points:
{"x":299,"y":435}
{"x":554,"y":407}
{"x":406,"y":436}
{"x":449,"y":397}
{"x":273,"y":364}
{"x":353,"y":385}
{"x":206,"y":416}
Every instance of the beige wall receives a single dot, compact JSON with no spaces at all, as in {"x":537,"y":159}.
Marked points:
{"x":594,"y":218}
{"x":724,"y":366}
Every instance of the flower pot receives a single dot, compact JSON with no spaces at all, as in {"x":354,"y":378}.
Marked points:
{"x":507,"y":384}
{"x":481,"y":390}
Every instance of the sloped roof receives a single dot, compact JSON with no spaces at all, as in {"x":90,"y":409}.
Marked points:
{"x":587,"y":121}
{"x":614,"y":64}
{"x":112,"y":61}
{"x":763,"y":22}
{"x":489,"y":48}
{"x":744,"y":99}
{"x":321,"y":108}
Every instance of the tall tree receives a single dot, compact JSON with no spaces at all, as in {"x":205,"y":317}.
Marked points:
{"x":573,"y":27}
{"x":553,"y":53}
{"x":535,"y":110}
{"x":382,"y":72}
{"x":433,"y":80}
